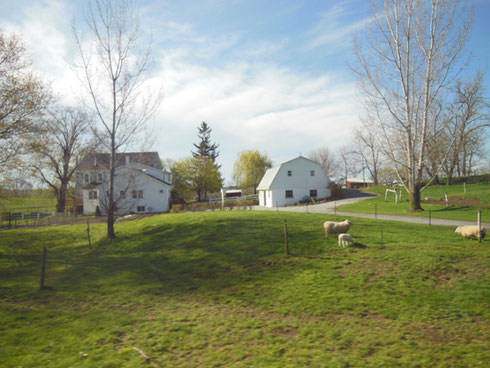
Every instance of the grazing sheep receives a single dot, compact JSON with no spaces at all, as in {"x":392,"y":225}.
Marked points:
{"x":469,"y":231}
{"x":332,"y":227}
{"x":345,"y":239}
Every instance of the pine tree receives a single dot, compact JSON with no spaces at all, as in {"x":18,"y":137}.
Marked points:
{"x":205,"y":148}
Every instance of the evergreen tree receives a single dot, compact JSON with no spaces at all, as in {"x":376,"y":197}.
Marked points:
{"x":205,"y":148}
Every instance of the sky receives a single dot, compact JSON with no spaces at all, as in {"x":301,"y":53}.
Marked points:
{"x":273,"y":76}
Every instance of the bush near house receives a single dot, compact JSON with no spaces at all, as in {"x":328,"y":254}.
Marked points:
{"x":216,"y":289}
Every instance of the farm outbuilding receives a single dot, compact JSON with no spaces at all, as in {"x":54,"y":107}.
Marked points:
{"x":292,"y":181}
{"x":358,"y":183}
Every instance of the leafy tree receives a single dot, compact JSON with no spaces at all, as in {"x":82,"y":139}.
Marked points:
{"x":205,"y":148}
{"x":197,"y":174}
{"x":59,"y":149}
{"x":250,"y":168}
{"x":23,"y":97}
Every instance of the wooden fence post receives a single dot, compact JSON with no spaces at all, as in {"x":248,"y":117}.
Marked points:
{"x":43,"y":268}
{"x":447,"y":200}
{"x":479,"y":226}
{"x":88,"y":234}
{"x":286,"y":240}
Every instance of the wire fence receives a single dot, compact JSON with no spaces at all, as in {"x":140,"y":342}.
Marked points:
{"x":40,"y":216}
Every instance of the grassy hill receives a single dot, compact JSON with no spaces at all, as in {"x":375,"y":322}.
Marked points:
{"x":216,"y":289}
{"x":462,"y":205}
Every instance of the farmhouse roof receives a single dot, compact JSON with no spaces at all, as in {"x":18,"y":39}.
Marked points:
{"x":100,"y":161}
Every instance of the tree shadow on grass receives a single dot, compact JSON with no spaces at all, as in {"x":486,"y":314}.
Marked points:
{"x":183,"y":257}
{"x":358,"y":245}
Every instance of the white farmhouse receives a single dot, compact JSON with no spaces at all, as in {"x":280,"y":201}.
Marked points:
{"x":291,"y":181}
{"x":140,"y":186}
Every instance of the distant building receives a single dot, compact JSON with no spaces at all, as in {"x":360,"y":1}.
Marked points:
{"x":140,"y":186}
{"x":356,"y":183}
{"x":292,"y":181}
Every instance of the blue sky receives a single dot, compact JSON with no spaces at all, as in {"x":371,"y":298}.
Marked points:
{"x":268,"y":75}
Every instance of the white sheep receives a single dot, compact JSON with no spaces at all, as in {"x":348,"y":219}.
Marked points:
{"x":345,"y":240}
{"x":332,"y":227}
{"x":469,"y":231}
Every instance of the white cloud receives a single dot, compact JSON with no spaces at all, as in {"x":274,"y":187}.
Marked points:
{"x":44,"y":30}
{"x":248,"y":106}
{"x":333,"y":31}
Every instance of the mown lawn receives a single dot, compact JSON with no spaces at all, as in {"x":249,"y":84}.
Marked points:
{"x":216,"y":289}
{"x":16,"y":203}
{"x":462,"y":206}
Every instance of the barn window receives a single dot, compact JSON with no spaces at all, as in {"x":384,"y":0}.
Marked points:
{"x":313,"y":193}
{"x":290,"y":173}
{"x":289,"y":194}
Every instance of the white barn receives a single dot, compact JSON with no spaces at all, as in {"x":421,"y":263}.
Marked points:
{"x":291,"y":181}
{"x":140,"y":186}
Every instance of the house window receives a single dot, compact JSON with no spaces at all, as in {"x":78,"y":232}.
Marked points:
{"x":100,"y":177}
{"x":92,"y":194}
{"x":140,"y":194}
{"x":86,"y":178}
{"x":161,"y":191}
{"x":289,"y":194}
{"x":290,"y":173}
{"x":140,"y":208}
{"x":312,"y":173}
{"x":137,"y":194}
{"x":313,"y":193}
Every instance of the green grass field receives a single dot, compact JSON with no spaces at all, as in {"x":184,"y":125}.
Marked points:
{"x":477,"y":197}
{"x":216,"y":289}
{"x":15,"y":203}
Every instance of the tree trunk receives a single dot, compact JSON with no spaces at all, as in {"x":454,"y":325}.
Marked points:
{"x":110,"y":225}
{"x":61,"y":199}
{"x":414,"y":199}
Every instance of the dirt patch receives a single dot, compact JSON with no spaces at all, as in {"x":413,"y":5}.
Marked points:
{"x":456,"y":201}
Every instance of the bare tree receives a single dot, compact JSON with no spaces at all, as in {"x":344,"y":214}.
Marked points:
{"x":408,"y":59}
{"x":114,"y":69}
{"x":327,"y":160}
{"x":366,"y":147}
{"x":59,"y":148}
{"x":22,"y":97}
{"x":467,"y":123}
{"x":349,"y":163}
